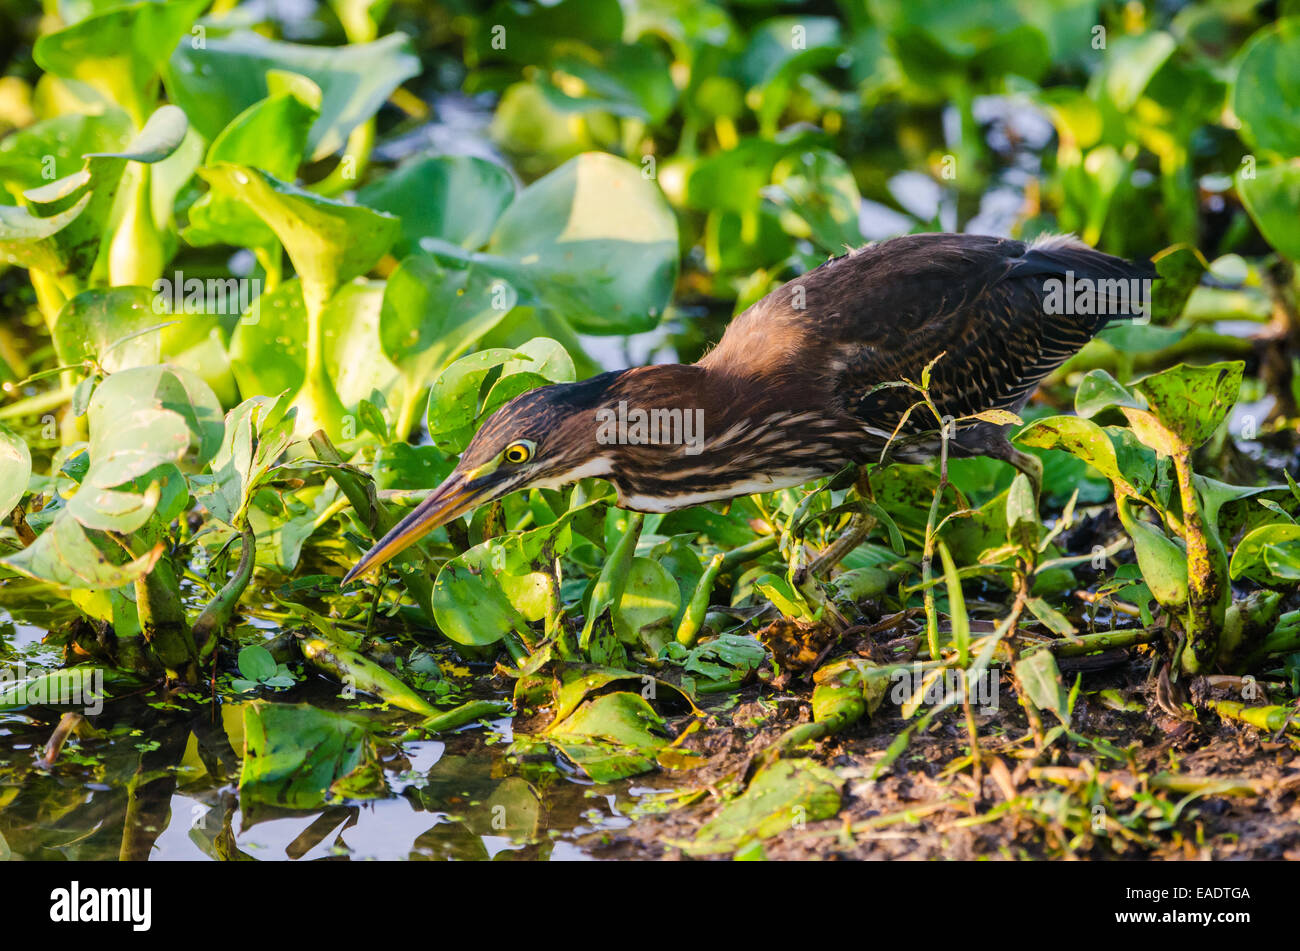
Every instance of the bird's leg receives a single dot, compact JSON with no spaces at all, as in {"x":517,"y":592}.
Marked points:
{"x":859,"y":527}
{"x":1025,"y":462}
{"x":992,"y":441}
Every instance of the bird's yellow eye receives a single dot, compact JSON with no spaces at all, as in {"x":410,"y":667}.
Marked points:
{"x":519,"y":452}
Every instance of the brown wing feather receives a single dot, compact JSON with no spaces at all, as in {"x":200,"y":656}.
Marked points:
{"x":884,"y":312}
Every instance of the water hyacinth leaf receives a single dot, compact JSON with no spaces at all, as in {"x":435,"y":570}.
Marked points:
{"x":65,"y":555}
{"x":454,"y":398}
{"x":566,"y":237}
{"x":1181,"y":268}
{"x":256,"y":663}
{"x":269,"y":346}
{"x":48,"y":244}
{"x":136,"y":443}
{"x":455,"y":403}
{"x":1163,"y":561}
{"x":328,"y":242}
{"x":1082,"y":438}
{"x":55,"y":148}
{"x":113,"y":511}
{"x":294,"y":753}
{"x":1188,"y":403}
{"x":534,"y":30}
{"x":432,"y":314}
{"x":773,"y":47}
{"x":68,"y":687}
{"x":271,"y":134}
{"x":1041,"y":680}
{"x":1272,"y":197}
{"x":215,"y":84}
{"x":631,"y":80}
{"x":1283,"y":561}
{"x":400,"y":465}
{"x":455,"y":198}
{"x":256,"y":432}
{"x":1137,"y":60}
{"x":1266,"y":90}
{"x":128,"y":405}
{"x":651,"y":599}
{"x":1249,"y":558}
{"x":1098,"y":391}
{"x":611,"y":737}
{"x":61,"y":233}
{"x":15,"y":470}
{"x":115,"y":326}
{"x":119,"y":51}
{"x":782,"y":796}
{"x":468,"y":602}
{"x":1022,"y":514}
{"x":819,"y":198}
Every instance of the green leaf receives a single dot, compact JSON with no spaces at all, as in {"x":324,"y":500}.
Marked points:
{"x":271,"y":134}
{"x":256,"y":433}
{"x":1041,"y":680}
{"x":1082,"y":438}
{"x":610,"y":737}
{"x":113,"y":511}
{"x":256,"y":663}
{"x":1098,"y":391}
{"x":1163,"y":562}
{"x":455,"y":198}
{"x":566,"y":239}
{"x":1272,"y":197}
{"x":215,"y":84}
{"x":631,"y":80}
{"x":61,"y":231}
{"x":56,"y":148}
{"x":1266,"y":89}
{"x":819,"y":198}
{"x":469,"y":604}
{"x":651,"y":599}
{"x":432,"y":314}
{"x":783,"y":796}
{"x":117,"y":327}
{"x":15,"y":470}
{"x":145,"y":416}
{"x":1022,"y":514}
{"x":119,"y":51}
{"x":294,"y":753}
{"x":65,"y":555}
{"x":455,"y":407}
{"x":1131,"y":63}
{"x":268,"y":349}
{"x":1187,"y":402}
{"x":1283,"y":561}
{"x":1250,"y":557}
{"x":329,"y":242}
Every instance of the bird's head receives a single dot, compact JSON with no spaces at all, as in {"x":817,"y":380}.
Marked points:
{"x":544,"y":438}
{"x":644,"y":430}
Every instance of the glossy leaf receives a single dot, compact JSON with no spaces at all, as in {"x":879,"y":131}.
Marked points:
{"x":215,"y":84}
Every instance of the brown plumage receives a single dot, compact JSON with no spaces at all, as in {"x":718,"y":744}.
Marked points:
{"x":792,"y":391}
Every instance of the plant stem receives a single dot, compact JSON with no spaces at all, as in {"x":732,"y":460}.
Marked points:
{"x":207,"y":629}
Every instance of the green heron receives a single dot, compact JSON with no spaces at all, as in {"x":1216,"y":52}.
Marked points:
{"x":791,"y":393}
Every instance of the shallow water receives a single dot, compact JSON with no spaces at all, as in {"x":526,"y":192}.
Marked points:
{"x":161,"y":783}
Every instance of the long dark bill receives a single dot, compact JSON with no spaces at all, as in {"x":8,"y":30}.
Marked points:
{"x":449,"y":500}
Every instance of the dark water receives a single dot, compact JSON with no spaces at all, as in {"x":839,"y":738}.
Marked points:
{"x":162,"y":783}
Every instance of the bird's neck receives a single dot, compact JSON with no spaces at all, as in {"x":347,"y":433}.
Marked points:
{"x":680,"y":435}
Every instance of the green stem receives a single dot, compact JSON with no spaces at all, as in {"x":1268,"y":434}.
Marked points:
{"x":207,"y":629}
{"x":1206,"y":592}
